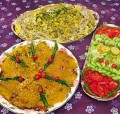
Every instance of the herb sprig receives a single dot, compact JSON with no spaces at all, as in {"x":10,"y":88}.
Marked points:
{"x":43,"y":98}
{"x":52,"y":56}
{"x":32,"y":49}
{"x":62,"y":82}
{"x":18,"y":78}
{"x":42,"y":95}
{"x":57,"y":12}
{"x":21,"y":62}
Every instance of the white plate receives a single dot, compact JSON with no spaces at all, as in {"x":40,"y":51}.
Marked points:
{"x":14,"y":109}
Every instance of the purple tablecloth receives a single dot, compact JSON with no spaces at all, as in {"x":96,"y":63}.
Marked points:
{"x":109,"y":11}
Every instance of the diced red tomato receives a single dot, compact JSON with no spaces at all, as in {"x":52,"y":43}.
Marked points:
{"x":93,"y":88}
{"x":88,"y":80}
{"x":113,"y":85}
{"x":107,"y":79}
{"x":88,"y":72}
{"x":114,"y":66}
{"x":99,"y":84}
{"x":101,"y":60}
{"x":118,"y":35}
{"x":109,"y":31}
{"x":106,"y":62}
{"x":96,"y":76}
{"x":99,"y":32}
{"x":106,"y":91}
{"x":100,"y":89}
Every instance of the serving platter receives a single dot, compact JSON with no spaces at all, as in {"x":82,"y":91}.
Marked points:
{"x":90,"y":92}
{"x":15,"y":109}
{"x":19,"y":26}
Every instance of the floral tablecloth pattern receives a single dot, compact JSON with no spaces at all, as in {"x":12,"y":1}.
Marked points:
{"x":109,"y":11}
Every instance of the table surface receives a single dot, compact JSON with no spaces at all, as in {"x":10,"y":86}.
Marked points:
{"x":80,"y":102}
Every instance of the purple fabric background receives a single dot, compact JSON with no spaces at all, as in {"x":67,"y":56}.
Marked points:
{"x":109,"y":11}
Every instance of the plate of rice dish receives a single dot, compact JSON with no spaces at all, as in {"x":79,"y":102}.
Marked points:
{"x":37,"y":77}
{"x":61,"y":22}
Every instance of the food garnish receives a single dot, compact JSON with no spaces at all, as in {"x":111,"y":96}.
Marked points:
{"x":18,"y":78}
{"x":17,"y":60}
{"x":32,"y":50}
{"x":62,"y":82}
{"x":42,"y":96}
{"x":37,"y":98}
{"x":42,"y":74}
{"x":50,"y":60}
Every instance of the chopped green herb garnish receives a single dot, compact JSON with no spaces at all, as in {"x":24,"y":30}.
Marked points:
{"x":60,"y":10}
